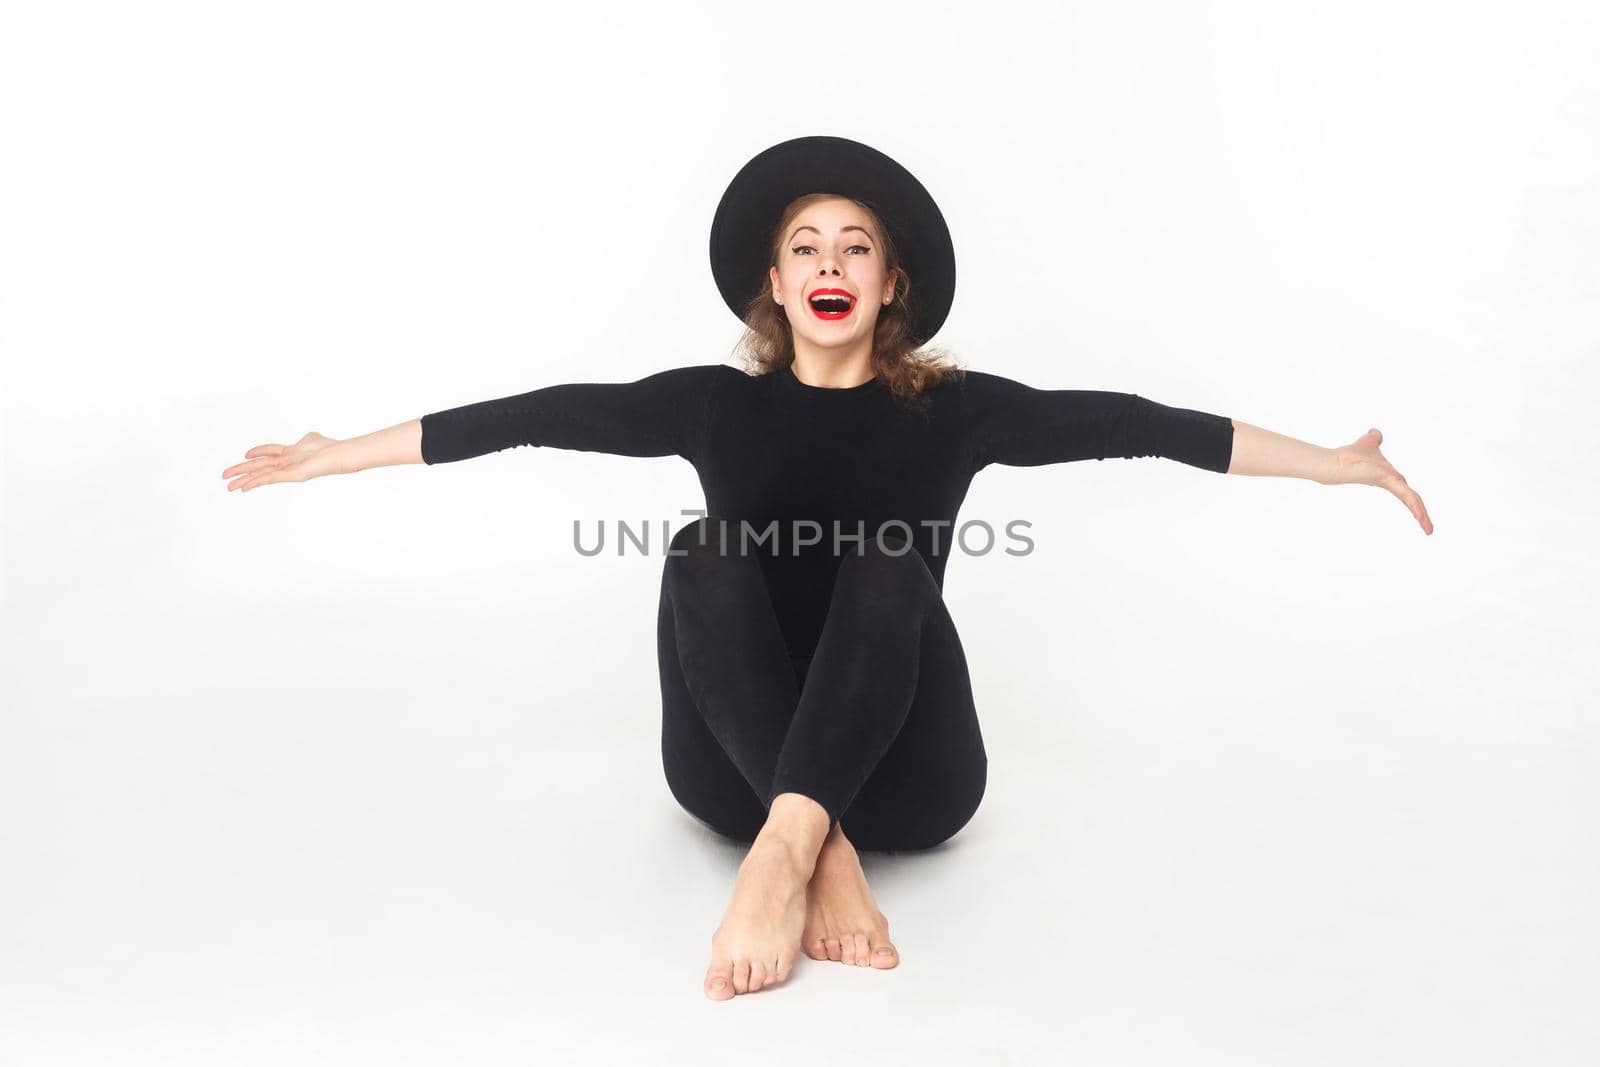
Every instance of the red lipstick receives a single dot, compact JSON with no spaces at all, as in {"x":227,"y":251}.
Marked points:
{"x":841,"y":304}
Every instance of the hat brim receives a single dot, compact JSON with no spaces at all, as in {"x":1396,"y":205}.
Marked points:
{"x":741,"y":229}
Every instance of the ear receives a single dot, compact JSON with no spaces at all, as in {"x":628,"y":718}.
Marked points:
{"x":772,"y":273}
{"x":888,"y":286}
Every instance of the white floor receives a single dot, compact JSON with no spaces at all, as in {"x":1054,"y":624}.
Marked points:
{"x":394,"y":831}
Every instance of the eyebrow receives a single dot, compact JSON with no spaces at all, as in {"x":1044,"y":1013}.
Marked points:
{"x":818,"y":232}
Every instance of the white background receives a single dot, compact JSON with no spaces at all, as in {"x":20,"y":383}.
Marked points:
{"x":367,"y":769}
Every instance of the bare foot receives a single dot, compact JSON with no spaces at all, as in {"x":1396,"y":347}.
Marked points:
{"x":843,"y":922}
{"x":759,"y":938}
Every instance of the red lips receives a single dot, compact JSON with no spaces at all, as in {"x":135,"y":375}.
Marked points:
{"x":849,"y":303}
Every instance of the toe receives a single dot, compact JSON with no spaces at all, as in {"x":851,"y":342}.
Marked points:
{"x":847,"y":949}
{"x":862,"y":959}
{"x":719,"y":981}
{"x":741,"y":976}
{"x":817,"y":948}
{"x":785,"y":965}
{"x":758,"y":975}
{"x":833,"y":949}
{"x":884,"y":955}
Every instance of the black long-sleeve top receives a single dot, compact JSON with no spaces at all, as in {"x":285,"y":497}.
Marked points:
{"x":769,"y":447}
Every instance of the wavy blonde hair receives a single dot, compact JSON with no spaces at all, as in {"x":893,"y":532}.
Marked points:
{"x":907,"y":368}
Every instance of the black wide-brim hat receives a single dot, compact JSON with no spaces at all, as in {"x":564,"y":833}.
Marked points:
{"x":741,"y":230}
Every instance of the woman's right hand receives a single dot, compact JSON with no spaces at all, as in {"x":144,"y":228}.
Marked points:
{"x":310,"y":457}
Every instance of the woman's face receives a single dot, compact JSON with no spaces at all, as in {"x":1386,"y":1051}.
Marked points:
{"x":831,"y":246}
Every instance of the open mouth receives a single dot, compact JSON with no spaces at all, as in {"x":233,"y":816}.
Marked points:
{"x":831,"y":303}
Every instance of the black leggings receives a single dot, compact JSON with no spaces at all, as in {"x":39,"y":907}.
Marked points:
{"x":877,"y":725}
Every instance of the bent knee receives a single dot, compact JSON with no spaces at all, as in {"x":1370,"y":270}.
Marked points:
{"x":888,"y":567}
{"x":899,"y":840}
{"x":706,"y":538}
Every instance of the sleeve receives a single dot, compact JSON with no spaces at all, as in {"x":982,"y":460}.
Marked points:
{"x":662,"y":414}
{"x":1017,"y":425}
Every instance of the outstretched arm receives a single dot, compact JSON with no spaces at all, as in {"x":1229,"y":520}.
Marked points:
{"x":1265,"y":453}
{"x":661,"y":414}
{"x":315,"y":455}
{"x":1014,"y":424}
{"x":1018,"y":425}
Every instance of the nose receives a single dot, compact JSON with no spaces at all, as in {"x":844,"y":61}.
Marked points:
{"x":828,"y":267}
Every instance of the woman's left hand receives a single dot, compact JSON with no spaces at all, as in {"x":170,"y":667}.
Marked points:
{"x":1360,"y":463}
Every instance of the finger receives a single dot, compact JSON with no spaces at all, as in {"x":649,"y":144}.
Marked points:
{"x":1414,"y":505}
{"x":266,"y":478}
{"x":266,"y":450}
{"x":245,"y":481}
{"x":249,"y":465}
{"x":1413,"y":502}
{"x":1393,"y":482}
{"x":257,"y":468}
{"x":1402,"y":489}
{"x":1422,"y":513}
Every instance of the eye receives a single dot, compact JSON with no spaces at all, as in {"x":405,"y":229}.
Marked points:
{"x":802,"y":248}
{"x":863,"y":248}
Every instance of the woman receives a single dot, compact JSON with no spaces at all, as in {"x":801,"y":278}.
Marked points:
{"x":815,"y":696}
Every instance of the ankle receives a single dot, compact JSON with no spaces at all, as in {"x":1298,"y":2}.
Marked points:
{"x":836,"y":848}
{"x":800,"y":823}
